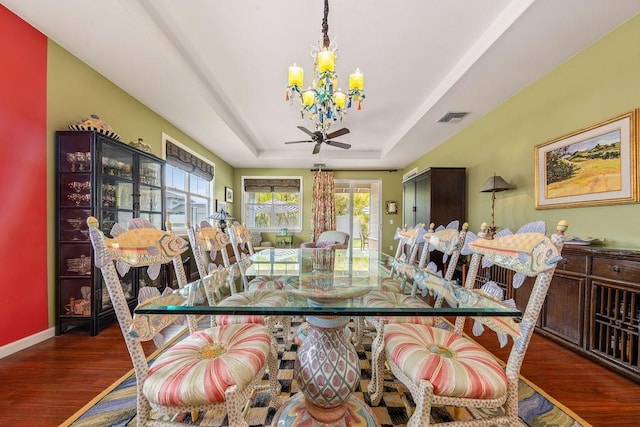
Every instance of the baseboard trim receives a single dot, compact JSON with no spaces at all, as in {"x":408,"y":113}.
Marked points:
{"x":26,"y":342}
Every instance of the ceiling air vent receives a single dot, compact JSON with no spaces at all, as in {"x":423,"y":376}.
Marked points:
{"x":452,"y":117}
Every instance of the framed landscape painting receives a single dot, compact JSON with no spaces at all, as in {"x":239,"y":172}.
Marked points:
{"x":593,"y":166}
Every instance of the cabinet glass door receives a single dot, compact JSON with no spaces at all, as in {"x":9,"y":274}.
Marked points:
{"x":111,"y":217}
{"x":150,"y":199}
{"x":150,"y":172}
{"x":116,"y":162}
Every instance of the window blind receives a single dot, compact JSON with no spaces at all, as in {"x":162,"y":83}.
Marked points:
{"x":186,"y":161}
{"x":284,"y":185}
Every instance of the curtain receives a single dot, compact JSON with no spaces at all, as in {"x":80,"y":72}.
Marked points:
{"x":323,"y":204}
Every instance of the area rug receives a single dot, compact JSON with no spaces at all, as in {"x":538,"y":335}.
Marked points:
{"x":116,"y":406}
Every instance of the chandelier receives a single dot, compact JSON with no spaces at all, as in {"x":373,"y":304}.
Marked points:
{"x":324,"y":102}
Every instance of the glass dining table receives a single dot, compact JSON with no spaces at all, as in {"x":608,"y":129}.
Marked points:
{"x":329,"y":288}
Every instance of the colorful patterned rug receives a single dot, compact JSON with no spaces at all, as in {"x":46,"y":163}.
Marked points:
{"x":116,"y":406}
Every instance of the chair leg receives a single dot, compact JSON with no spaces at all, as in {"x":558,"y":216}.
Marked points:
{"x":422,"y":415}
{"x":234,"y":407}
{"x":376,"y":384}
{"x":274,"y":384}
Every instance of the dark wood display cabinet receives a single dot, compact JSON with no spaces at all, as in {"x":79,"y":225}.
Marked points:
{"x":592,"y":306}
{"x":102,"y":177}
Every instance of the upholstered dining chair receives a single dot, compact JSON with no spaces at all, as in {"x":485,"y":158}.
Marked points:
{"x":207,"y":243}
{"x":414,"y":239}
{"x":441,"y":367}
{"x":240,"y":237}
{"x":211,"y":369}
{"x":447,"y":240}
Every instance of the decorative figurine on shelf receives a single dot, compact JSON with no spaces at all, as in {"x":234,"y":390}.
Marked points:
{"x":140,"y":145}
{"x":94,"y":123}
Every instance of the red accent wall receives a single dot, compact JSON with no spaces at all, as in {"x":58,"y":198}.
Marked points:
{"x":23,"y":179}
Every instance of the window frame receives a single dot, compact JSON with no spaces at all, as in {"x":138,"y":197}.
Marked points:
{"x":211,"y":197}
{"x":298,"y":228}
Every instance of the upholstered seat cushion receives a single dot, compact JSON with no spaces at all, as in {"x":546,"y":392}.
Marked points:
{"x":456,"y":366}
{"x":391,"y":284}
{"x":266,"y":297}
{"x":393,"y":299}
{"x":201,"y":367}
{"x":266,"y":282}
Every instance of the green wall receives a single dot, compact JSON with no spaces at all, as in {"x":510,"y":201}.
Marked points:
{"x":598,"y":83}
{"x":391,"y":190}
{"x":75,"y":91}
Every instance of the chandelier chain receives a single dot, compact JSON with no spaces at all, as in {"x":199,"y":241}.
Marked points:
{"x":325,"y":25}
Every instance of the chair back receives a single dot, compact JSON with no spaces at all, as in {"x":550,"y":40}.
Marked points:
{"x":240,"y":237}
{"x":529,"y":253}
{"x":209,"y":244}
{"x":447,"y":240}
{"x":141,"y":245}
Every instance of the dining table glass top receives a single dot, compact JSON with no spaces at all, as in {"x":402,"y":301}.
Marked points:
{"x":324,"y":282}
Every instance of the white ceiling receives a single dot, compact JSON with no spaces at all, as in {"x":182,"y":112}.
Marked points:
{"x":218,"y":69}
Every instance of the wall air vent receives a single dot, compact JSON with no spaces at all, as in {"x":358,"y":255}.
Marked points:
{"x":452,"y":117}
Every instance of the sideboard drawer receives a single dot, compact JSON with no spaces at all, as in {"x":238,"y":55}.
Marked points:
{"x":617,"y":269}
{"x":573,"y":263}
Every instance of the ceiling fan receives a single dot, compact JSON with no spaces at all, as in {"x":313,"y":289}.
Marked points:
{"x":318,"y":138}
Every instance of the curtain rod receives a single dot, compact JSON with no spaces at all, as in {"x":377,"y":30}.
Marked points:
{"x":352,"y":170}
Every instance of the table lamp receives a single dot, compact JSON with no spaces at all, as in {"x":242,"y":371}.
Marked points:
{"x":222,"y":216}
{"x":493,"y":185}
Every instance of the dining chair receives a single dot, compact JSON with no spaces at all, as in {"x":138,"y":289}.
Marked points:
{"x":447,"y":240}
{"x":413,"y":238}
{"x":443,"y":367}
{"x":207,"y":243}
{"x":210,"y":369}
{"x":240,"y":237}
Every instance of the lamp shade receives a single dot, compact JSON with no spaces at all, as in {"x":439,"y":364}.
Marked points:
{"x":495,"y":184}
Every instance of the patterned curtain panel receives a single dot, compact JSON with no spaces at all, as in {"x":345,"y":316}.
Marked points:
{"x":323,"y":204}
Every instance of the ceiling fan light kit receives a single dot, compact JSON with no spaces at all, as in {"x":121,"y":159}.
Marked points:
{"x":324,"y":102}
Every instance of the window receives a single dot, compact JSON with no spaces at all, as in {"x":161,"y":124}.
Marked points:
{"x":189,"y":191}
{"x":270,"y":203}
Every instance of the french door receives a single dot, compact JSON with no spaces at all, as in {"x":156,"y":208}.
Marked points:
{"x":358,"y":209}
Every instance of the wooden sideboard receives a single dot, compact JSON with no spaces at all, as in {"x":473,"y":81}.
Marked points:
{"x":592,"y":306}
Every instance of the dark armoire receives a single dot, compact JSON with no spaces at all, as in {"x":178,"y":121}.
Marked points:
{"x":435,"y":195}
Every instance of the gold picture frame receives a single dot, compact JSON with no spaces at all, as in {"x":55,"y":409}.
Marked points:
{"x":593,"y":166}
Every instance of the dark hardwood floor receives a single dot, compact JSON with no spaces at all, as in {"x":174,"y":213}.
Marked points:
{"x":47,"y":383}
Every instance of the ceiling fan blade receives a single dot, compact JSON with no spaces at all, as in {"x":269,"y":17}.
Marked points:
{"x":296,"y":142}
{"x":339,"y":144}
{"x":316,"y":149}
{"x":338,"y":133}
{"x":305,"y":130}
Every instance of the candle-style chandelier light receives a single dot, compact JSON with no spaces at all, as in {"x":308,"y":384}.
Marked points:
{"x":324,"y":102}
